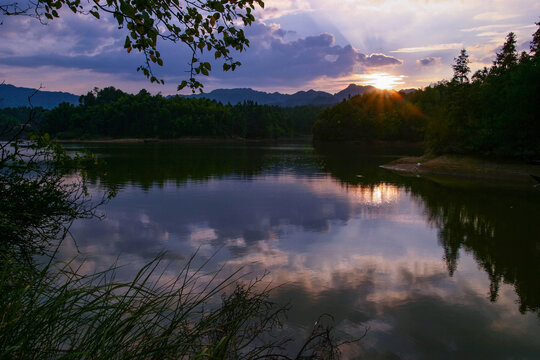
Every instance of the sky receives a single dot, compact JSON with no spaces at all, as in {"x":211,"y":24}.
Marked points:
{"x":294,"y":45}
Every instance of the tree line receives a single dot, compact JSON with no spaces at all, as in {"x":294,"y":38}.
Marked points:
{"x":374,"y":115}
{"x":111,"y":113}
{"x":493,"y":113}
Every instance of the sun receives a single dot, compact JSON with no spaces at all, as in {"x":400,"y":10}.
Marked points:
{"x":383,"y":81}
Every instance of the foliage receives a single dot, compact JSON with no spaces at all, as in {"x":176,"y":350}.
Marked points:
{"x":374,"y":115}
{"x":507,"y":57}
{"x":37,"y":201}
{"x":495,"y":115}
{"x":57,"y":313}
{"x":112,"y":113}
{"x":535,"y":42}
{"x":11,"y":119}
{"x":461,"y":67}
{"x":214,"y":26}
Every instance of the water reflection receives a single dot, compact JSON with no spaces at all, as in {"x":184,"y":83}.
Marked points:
{"x":434,"y":271}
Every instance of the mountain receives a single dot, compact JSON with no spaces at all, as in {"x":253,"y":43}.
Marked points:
{"x":235,"y":96}
{"x":13,"y":96}
{"x":300,"y":98}
{"x":352,"y":90}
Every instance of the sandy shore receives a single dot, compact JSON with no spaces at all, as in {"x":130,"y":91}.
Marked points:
{"x":467,"y":168}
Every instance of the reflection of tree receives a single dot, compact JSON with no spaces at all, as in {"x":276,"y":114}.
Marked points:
{"x":499,"y":227}
{"x":154,"y":164}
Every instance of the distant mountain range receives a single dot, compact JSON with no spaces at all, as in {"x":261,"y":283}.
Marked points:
{"x":12,"y":96}
{"x":310,"y":97}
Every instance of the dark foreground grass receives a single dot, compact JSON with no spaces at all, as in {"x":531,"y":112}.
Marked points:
{"x":56,"y":313}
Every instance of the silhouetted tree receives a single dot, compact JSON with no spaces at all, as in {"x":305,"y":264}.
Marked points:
{"x":535,"y":42}
{"x":461,"y":67}
{"x":480,"y":75}
{"x":508,"y":56}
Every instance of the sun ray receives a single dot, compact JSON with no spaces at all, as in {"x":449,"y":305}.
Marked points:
{"x":383,"y":81}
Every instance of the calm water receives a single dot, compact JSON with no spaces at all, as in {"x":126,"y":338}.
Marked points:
{"x":435,"y":272}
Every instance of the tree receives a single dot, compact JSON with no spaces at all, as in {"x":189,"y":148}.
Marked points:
{"x":508,"y":57}
{"x":37,"y":205}
{"x":535,"y":42}
{"x":214,"y":26}
{"x":480,"y":75}
{"x":461,"y":67}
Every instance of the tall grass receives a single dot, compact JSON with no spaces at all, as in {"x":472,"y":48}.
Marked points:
{"x":56,"y":313}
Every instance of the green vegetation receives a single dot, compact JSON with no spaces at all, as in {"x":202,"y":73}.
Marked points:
{"x":114,"y":114}
{"x":60,"y":314}
{"x":374,"y":115}
{"x":494,"y":114}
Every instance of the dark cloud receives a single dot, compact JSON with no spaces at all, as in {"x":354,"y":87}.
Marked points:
{"x":429,"y":61}
{"x":375,"y":60}
{"x":272,"y":60}
{"x":108,"y":63}
{"x":71,"y":34}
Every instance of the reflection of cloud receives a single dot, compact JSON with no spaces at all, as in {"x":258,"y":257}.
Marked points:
{"x":366,"y":254}
{"x":201,"y":239}
{"x":236,"y":242}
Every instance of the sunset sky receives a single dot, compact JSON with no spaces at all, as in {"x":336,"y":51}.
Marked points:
{"x":295,"y":45}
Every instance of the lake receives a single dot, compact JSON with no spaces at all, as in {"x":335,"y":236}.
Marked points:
{"x":432,"y":271}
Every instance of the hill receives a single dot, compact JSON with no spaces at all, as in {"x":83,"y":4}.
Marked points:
{"x":13,"y":96}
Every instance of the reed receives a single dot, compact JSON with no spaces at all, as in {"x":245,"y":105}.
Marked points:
{"x":57,"y":313}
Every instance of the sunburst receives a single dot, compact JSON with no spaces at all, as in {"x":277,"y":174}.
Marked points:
{"x":383,"y":81}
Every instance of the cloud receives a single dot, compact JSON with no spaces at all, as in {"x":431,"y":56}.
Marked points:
{"x":274,"y":60}
{"x":279,"y":8}
{"x":376,"y":60}
{"x":429,"y":61}
{"x":494,"y":16}
{"x":437,"y":47}
{"x":112,"y":63}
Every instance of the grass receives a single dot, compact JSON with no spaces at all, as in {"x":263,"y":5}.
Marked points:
{"x":56,"y":313}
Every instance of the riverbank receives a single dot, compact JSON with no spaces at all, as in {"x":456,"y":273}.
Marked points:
{"x":467,"y":169}
{"x":183,"y":140}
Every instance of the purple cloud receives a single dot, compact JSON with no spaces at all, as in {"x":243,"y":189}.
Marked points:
{"x":429,"y":61}
{"x":273,"y":60}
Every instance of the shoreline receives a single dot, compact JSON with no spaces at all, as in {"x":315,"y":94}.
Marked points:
{"x":467,"y":169}
{"x":181,"y":140}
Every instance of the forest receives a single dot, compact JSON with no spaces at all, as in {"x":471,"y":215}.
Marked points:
{"x":493,"y":113}
{"x":111,"y":113}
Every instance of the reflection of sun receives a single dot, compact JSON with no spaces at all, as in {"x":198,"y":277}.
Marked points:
{"x":383,"y":80}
